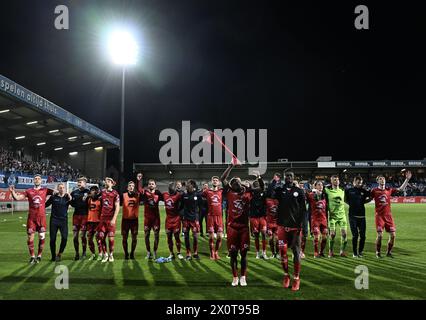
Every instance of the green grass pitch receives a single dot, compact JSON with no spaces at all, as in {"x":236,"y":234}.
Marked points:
{"x":403,"y":277}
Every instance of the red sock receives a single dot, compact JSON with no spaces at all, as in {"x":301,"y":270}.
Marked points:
{"x":316,"y":240}
{"x":323,"y":242}
{"x":218,"y":244}
{"x":390,"y":246}
{"x":178,"y":242}
{"x":195,"y":245}
{"x":147,"y":244}
{"x":272,"y":246}
{"x":84,"y":243}
{"x":303,"y":244}
{"x":40,"y":246}
{"x":234,"y":266}
{"x":111,"y":245}
{"x":256,"y":243}
{"x":91,"y":245}
{"x":104,"y":246}
{"x":30,"y":244}
{"x":297,"y":269}
{"x":284,"y":258}
{"x":263,"y":245}
{"x":211,"y":245}
{"x":170,"y":242}
{"x":378,"y":244}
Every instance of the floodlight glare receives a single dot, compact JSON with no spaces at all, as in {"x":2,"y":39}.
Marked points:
{"x":122,"y":48}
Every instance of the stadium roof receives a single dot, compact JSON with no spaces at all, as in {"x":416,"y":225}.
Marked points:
{"x":27,"y":118}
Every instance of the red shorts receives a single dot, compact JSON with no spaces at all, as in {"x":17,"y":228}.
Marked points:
{"x":272,"y":229}
{"x":151,"y":222}
{"x":131,"y":225}
{"x":91,"y":227}
{"x":257,"y":224}
{"x":173,"y":224}
{"x":288,"y":236}
{"x":79,"y":222}
{"x":36,"y":224}
{"x":319,"y":226}
{"x":214,"y":224}
{"x":105,"y":228}
{"x":385,"y":222}
{"x":238,"y":238}
{"x":194,"y":226}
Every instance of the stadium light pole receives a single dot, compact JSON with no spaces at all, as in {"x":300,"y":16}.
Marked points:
{"x":123,"y":50}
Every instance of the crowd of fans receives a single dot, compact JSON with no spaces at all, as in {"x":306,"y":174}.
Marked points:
{"x":13,"y":162}
{"x":416,"y":186}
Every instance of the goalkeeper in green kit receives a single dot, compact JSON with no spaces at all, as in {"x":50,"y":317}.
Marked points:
{"x":336,"y":215}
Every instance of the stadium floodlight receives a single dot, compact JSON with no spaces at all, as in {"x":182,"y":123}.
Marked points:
{"x":32,"y":122}
{"x":4,"y":111}
{"x":99,"y":148}
{"x":72,"y":138}
{"x":57,"y":149}
{"x":123,"y":48}
{"x":54,"y":131}
{"x":20,"y":137}
{"x":86,"y":143}
{"x":41,"y":143}
{"x":73,"y":153}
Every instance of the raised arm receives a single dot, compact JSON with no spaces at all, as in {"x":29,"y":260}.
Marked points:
{"x":225,"y":175}
{"x":139,"y":177}
{"x":15,"y":195}
{"x":405,"y":183}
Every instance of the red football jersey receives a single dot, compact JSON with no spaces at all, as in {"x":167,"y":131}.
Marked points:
{"x":151,"y":200}
{"x":238,"y":208}
{"x":271,"y":210}
{"x":171,"y":203}
{"x":37,"y":200}
{"x":382,"y":199}
{"x":214,"y":201}
{"x":108,"y":200}
{"x":318,"y":206}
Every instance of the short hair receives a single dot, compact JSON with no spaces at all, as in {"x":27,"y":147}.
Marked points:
{"x":215,"y":177}
{"x":380,"y":176}
{"x":317,"y":182}
{"x":334,"y":176}
{"x":94,"y":188}
{"x":61,"y":184}
{"x":277,"y":174}
{"x":289,"y":173}
{"x":233,"y":179}
{"x":193,"y":183}
{"x":37,"y":175}
{"x":358,"y":178}
{"x":130,"y":182}
{"x":110,"y":179}
{"x":151,"y":180}
{"x":82,"y":179}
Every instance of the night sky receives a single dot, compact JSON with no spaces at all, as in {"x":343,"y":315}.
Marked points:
{"x":299,"y":69}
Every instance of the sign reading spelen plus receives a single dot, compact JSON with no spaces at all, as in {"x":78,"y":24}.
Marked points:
{"x":36,"y":102}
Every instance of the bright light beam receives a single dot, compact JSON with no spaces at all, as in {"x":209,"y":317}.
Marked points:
{"x":123,"y":48}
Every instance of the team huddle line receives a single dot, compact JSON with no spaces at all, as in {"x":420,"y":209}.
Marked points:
{"x":283,"y":212}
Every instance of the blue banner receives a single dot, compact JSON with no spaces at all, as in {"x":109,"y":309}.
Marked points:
{"x":20,"y":181}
